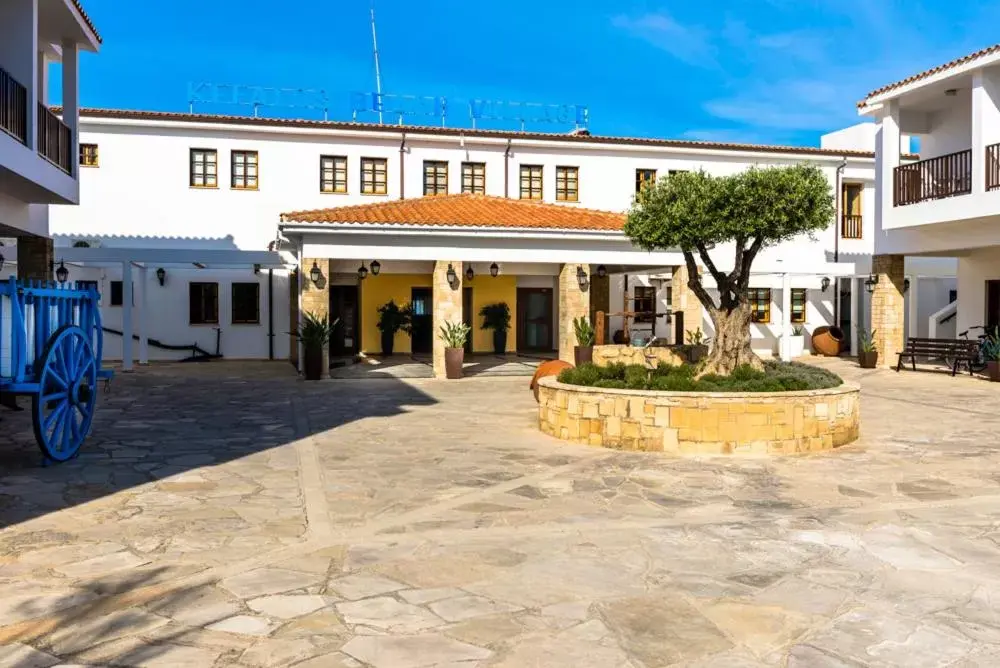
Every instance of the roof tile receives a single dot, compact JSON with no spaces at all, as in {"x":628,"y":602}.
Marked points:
{"x":931,"y":72}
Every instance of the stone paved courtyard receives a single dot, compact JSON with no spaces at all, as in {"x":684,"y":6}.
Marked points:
{"x":230,"y":515}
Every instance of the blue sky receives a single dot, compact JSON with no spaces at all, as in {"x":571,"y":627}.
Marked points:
{"x":775,"y":71}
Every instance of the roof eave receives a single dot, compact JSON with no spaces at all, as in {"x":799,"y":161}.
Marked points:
{"x":896,"y":91}
{"x":449,"y":230}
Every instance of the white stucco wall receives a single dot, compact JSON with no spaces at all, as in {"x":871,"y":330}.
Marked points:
{"x":950,"y":128}
{"x":974,"y":270}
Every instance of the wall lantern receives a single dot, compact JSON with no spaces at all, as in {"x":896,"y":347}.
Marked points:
{"x":315,"y":275}
{"x":256,"y":269}
{"x":62,"y":273}
{"x":1,"y":262}
{"x":494,"y":269}
{"x":602,"y":271}
{"x":871,"y":282}
{"x":906,"y":285}
{"x":581,"y":277}
{"x":825,"y":283}
{"x":376,"y":267}
{"x":161,"y":276}
{"x":451,"y":276}
{"x":469,"y":274}
{"x":362,"y":272}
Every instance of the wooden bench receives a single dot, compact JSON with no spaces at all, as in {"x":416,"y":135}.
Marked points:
{"x":953,"y":351}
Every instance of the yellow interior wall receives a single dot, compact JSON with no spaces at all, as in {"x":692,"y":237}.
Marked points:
{"x":377,"y":290}
{"x":489,"y":290}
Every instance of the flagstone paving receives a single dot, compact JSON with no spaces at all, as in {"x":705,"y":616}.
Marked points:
{"x":231,"y":515}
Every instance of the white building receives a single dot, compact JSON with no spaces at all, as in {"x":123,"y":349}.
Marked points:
{"x":947,"y":205}
{"x":222,"y":182}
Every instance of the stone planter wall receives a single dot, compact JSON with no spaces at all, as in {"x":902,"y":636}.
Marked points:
{"x":672,"y":355}
{"x":695,"y":423}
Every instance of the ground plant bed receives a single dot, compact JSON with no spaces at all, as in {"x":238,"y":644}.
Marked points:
{"x":786,"y":409}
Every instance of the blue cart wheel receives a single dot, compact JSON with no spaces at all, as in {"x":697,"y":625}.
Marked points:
{"x":64,"y":406}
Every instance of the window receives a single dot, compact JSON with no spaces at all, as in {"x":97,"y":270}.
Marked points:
{"x":567,"y":184}
{"x":435,"y":177}
{"x":760,"y":304}
{"x":531,"y":182}
{"x":798,"y":305}
{"x":643,"y":178}
{"x":851,"y":221}
{"x":246,"y":303}
{"x":117,"y":293}
{"x":952,"y":296}
{"x":644,"y":302}
{"x":88,"y":155}
{"x":204,"y":168}
{"x":244,"y":170}
{"x":203,"y":303}
{"x":669,"y":290}
{"x":332,"y":174}
{"x":373,"y":176}
{"x":474,"y":178}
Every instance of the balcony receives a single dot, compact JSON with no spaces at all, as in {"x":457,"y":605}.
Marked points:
{"x":55,"y":140}
{"x":850,"y":227}
{"x":993,"y":167}
{"x":13,"y":107}
{"x":934,"y":178}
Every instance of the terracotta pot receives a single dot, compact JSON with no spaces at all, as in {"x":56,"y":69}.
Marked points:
{"x":993,"y":371}
{"x":583,"y":355}
{"x":868,"y":360}
{"x":453,"y":358}
{"x":550,"y":368}
{"x":827,"y":341}
{"x":313,"y":362}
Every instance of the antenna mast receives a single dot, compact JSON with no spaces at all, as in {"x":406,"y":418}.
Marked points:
{"x":378,"y":71}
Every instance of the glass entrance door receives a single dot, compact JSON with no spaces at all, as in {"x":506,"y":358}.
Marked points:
{"x":422,"y":328}
{"x":344,"y":308}
{"x":534,"y":319}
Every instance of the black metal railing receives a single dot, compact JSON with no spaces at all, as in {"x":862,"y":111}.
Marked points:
{"x":850,"y":227}
{"x":934,"y":178}
{"x":13,"y":107}
{"x":993,"y":167}
{"x":55,"y":140}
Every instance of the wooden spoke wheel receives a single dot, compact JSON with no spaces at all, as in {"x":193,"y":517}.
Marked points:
{"x":64,"y":406}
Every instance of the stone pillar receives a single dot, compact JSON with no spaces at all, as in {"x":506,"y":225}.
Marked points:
{"x":600,"y":298}
{"x":34,"y":258}
{"x":573,"y":303}
{"x":293,"y":316}
{"x":447,"y":304}
{"x":683,"y":300}
{"x":316,"y":296}
{"x":888,"y":308}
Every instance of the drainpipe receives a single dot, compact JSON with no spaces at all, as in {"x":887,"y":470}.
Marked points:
{"x":402,"y":171}
{"x":270,"y":314}
{"x":838,"y":205}
{"x":506,"y":170}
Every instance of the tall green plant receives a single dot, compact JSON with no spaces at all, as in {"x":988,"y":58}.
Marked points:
{"x":316,"y":329}
{"x":866,"y":340}
{"x":454,"y":334}
{"x":392,"y":317}
{"x":991,"y":346}
{"x":495,"y":316}
{"x":584,"y":331}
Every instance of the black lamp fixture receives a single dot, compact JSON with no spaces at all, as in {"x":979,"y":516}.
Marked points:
{"x":469,"y":274}
{"x":494,"y":269}
{"x":161,"y":276}
{"x":451,"y":276}
{"x":581,"y":277}
{"x":315,"y":275}
{"x":256,"y":269}
{"x":376,"y":267}
{"x":62,"y":273}
{"x":825,"y":283}
{"x":906,"y":285}
{"x":362,"y":272}
{"x":871,"y":282}
{"x":1,"y":261}
{"x":602,"y":271}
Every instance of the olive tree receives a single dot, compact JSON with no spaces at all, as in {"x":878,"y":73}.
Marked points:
{"x":695,"y":212}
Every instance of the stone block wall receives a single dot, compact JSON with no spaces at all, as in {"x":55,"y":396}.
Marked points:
{"x":447,"y":298}
{"x":888,"y":308}
{"x":316,"y":296}
{"x":652,"y":356}
{"x":34,"y":258}
{"x":700,"y":423}
{"x":683,"y":300}
{"x":574,"y":302}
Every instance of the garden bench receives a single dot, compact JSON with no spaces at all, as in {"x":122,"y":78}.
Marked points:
{"x":952,"y":351}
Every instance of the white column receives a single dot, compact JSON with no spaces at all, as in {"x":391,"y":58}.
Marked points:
{"x":30,"y":81}
{"x":886,"y":160}
{"x":913,"y":299}
{"x":43,"y":77}
{"x":855,"y":301}
{"x":127,"y":316}
{"x":985,"y":122}
{"x":785,"y":345}
{"x":143,"y":316}
{"x":71,"y":98}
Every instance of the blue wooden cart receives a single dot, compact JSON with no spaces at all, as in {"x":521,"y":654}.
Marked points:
{"x":51,"y":346}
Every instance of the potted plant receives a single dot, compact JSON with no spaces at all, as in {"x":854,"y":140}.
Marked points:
{"x":315,"y":332}
{"x":392,"y":318}
{"x":797,"y":341}
{"x":991,"y":355}
{"x":454,"y":335}
{"x":583,"y":352}
{"x":497,"y":317}
{"x":867,"y":352}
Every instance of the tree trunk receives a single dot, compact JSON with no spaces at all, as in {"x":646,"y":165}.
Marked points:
{"x":731,"y":345}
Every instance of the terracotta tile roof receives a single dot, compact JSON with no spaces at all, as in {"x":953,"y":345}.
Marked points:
{"x":416,"y":130}
{"x":466,"y":211}
{"x":931,"y":72}
{"x":86,"y":19}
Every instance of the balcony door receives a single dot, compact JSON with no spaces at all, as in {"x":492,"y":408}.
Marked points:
{"x":992,"y":319}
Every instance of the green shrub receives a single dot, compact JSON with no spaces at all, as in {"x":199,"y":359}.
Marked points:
{"x":613,"y":371}
{"x":672,"y":383}
{"x":636,"y":376}
{"x":608,"y":383}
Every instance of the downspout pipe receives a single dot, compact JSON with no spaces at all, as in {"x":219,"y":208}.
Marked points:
{"x":506,"y":170}
{"x":402,"y":167}
{"x":838,"y":207}
{"x":270,"y":314}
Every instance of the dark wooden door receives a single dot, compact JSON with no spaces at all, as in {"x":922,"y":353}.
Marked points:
{"x":468,"y":317}
{"x":534,"y":319}
{"x":992,"y":306}
{"x":422,"y":333}
{"x":344,"y":305}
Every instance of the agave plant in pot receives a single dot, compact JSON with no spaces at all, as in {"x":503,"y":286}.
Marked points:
{"x":583,"y":352}
{"x":867,"y":352}
{"x":315,"y":332}
{"x":497,"y":317}
{"x":991,"y":355}
{"x":392,"y":318}
{"x":454,"y":335}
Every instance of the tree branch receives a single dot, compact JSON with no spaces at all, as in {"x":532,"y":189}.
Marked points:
{"x":694,"y":281}
{"x":748,"y":258}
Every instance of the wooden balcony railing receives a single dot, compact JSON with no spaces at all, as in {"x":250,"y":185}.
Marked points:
{"x":934,"y":178}
{"x":850,"y":227}
{"x":993,"y":167}
{"x":13,"y":107}
{"x":55,"y":141}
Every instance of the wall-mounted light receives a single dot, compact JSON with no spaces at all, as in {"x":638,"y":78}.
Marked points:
{"x":315,"y":275}
{"x":906,"y":285}
{"x":376,"y":267}
{"x":362,"y":272}
{"x":256,"y":269}
{"x":602,"y":271}
{"x":62,"y":273}
{"x":871,"y":282}
{"x":825,"y":283}
{"x":494,"y":269}
{"x":451,"y":276}
{"x":161,"y":276}
{"x":469,"y":274}
{"x":581,"y":277}
{"x":951,"y":92}
{"x":1,"y":261}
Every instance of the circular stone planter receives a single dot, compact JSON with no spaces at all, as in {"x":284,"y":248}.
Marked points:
{"x":700,"y":423}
